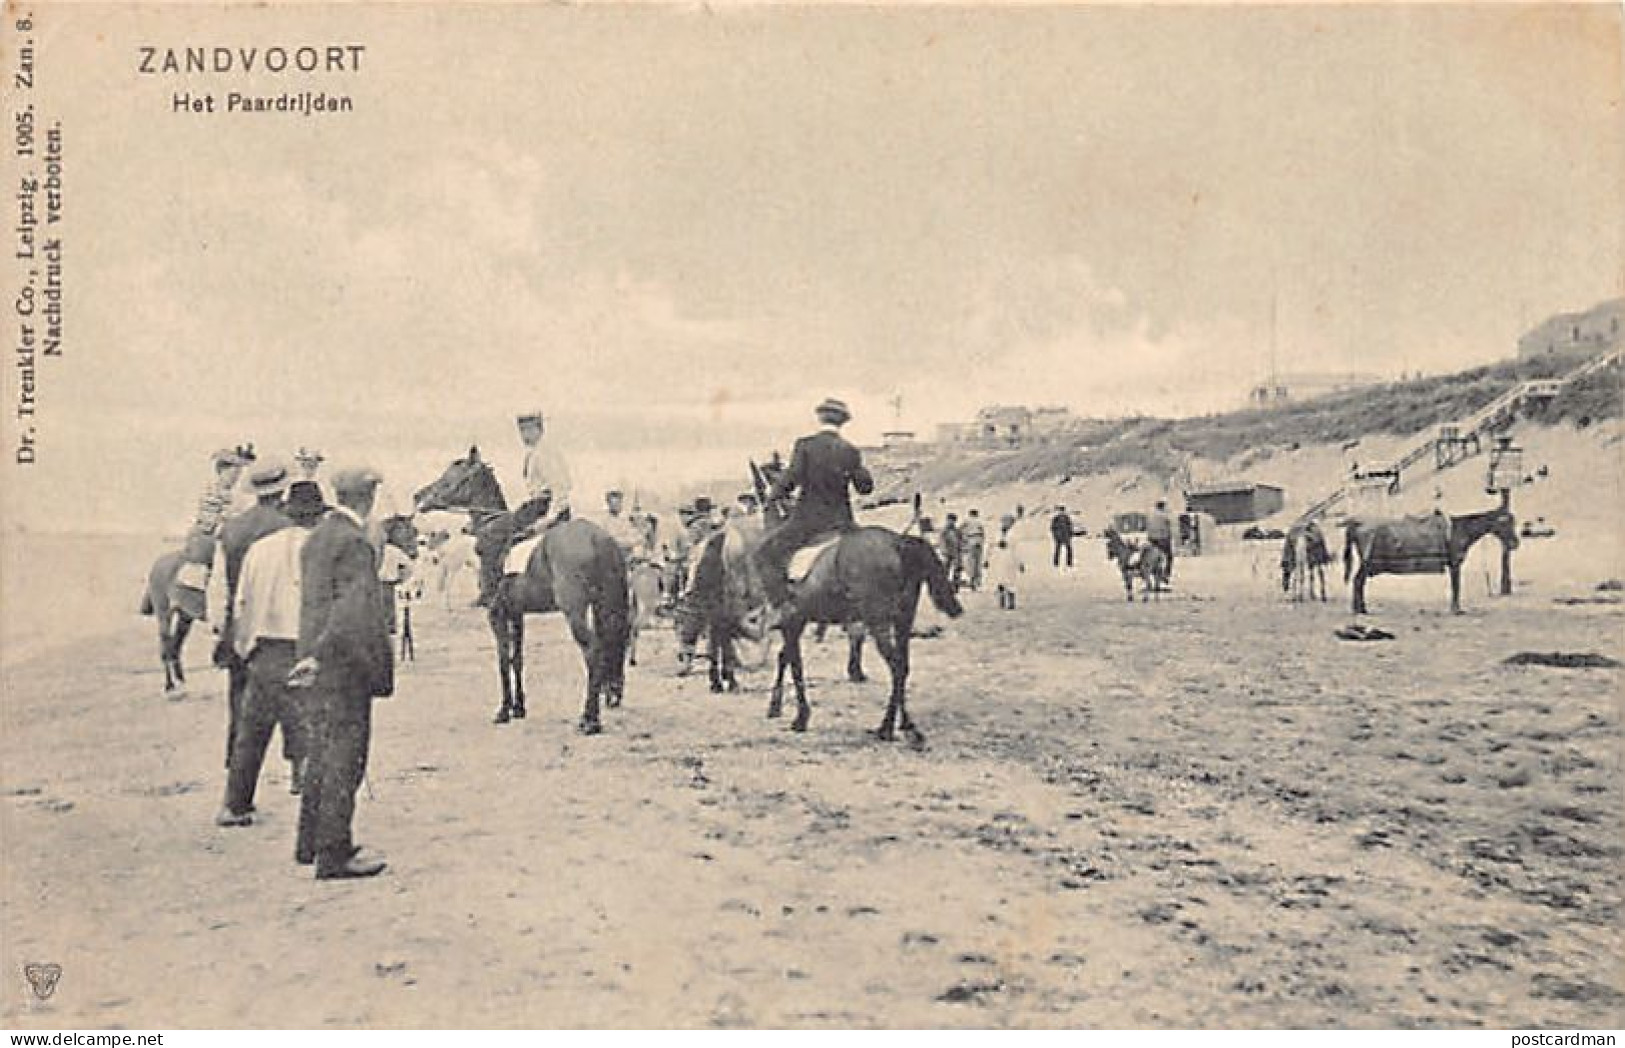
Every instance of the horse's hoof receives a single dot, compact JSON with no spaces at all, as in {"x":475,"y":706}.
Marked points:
{"x":613,"y":701}
{"x":916,"y":738}
{"x":885,"y":734}
{"x":730,"y":685}
{"x":590,"y":727}
{"x":775,"y":712}
{"x":519,"y":713}
{"x":501,"y":717}
{"x":799,"y":724}
{"x":716,"y":687}
{"x":858,"y":678}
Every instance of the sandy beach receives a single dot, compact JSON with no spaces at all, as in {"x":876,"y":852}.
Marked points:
{"x":1202,"y":812}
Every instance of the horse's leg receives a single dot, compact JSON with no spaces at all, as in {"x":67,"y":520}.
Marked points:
{"x":916,"y":738}
{"x":887,"y":642}
{"x":498,"y":620}
{"x":730,"y":682}
{"x":1359,"y":590}
{"x":715,"y":644}
{"x":516,"y":630}
{"x":855,"y":632}
{"x":183,"y":626}
{"x":1455,"y":589}
{"x":572,"y":601}
{"x":164,"y":645}
{"x":775,"y":702}
{"x":792,"y":652}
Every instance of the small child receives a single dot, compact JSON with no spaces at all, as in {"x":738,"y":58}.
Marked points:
{"x":1003,"y":565}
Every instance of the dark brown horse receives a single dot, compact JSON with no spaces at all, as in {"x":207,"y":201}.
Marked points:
{"x":174,"y":595}
{"x":1425,"y":545}
{"x":577,"y":569}
{"x":1145,"y":562}
{"x":870,"y":575}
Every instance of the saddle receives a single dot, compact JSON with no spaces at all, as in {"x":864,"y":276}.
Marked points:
{"x":517,"y":558}
{"x":803,"y":559}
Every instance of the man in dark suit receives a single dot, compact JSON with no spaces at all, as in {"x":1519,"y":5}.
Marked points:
{"x":238,"y":533}
{"x":345,"y":659}
{"x":1060,"y":532}
{"x":823,"y":466}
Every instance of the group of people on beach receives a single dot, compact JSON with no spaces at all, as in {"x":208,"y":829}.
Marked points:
{"x":302,"y":592}
{"x":303,"y":636}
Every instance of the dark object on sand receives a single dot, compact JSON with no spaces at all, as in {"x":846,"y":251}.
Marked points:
{"x":1610,"y":586}
{"x":1589,"y":660}
{"x":1358,"y":632}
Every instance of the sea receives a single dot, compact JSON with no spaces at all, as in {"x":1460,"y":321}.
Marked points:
{"x":61,"y":588}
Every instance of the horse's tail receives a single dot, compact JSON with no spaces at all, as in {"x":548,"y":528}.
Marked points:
{"x":920,"y":562}
{"x":612,"y":606}
{"x":146,"y":602}
{"x":1348,"y":551}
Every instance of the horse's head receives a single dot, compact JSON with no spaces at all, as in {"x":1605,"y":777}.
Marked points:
{"x":1115,"y":547}
{"x":468,"y":484}
{"x":1504,"y":526}
{"x":400,"y":531}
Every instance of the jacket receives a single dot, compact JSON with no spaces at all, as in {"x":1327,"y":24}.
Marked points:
{"x":343,"y":622}
{"x":822,"y":467}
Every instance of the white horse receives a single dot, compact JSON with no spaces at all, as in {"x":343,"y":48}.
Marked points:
{"x":452,"y":561}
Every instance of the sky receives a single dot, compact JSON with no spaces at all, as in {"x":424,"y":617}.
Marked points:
{"x":676,"y":229}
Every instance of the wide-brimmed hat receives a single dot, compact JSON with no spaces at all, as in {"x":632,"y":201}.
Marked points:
{"x":832,"y":410}
{"x":227,"y":457}
{"x":304,"y":500}
{"x":703,"y":504}
{"x":268,"y":480}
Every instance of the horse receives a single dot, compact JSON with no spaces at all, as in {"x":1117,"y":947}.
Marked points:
{"x":870,"y":575}
{"x":577,"y":569}
{"x":1146,"y":562}
{"x":1426,"y":545}
{"x":643,"y":582}
{"x":727,"y":603}
{"x":1304,"y":555}
{"x":175,"y":596}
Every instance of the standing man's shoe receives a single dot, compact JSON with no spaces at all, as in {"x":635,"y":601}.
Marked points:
{"x":351,"y":868}
{"x":227,"y":817}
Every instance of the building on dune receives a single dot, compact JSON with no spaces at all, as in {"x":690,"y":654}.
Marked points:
{"x":1235,"y":502}
{"x":1572,"y":334}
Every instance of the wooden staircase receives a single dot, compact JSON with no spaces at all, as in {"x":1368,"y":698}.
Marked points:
{"x":1486,"y":422}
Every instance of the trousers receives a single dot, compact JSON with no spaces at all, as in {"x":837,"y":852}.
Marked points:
{"x":267,"y":702}
{"x":340,"y":735}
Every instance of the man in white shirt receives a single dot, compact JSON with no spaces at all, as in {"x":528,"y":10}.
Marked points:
{"x":620,"y":526}
{"x":546,"y":479}
{"x":265,"y":617}
{"x":545,"y":473}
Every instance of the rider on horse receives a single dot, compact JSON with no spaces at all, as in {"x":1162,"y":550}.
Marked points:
{"x":546,"y":478}
{"x":822,"y":466}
